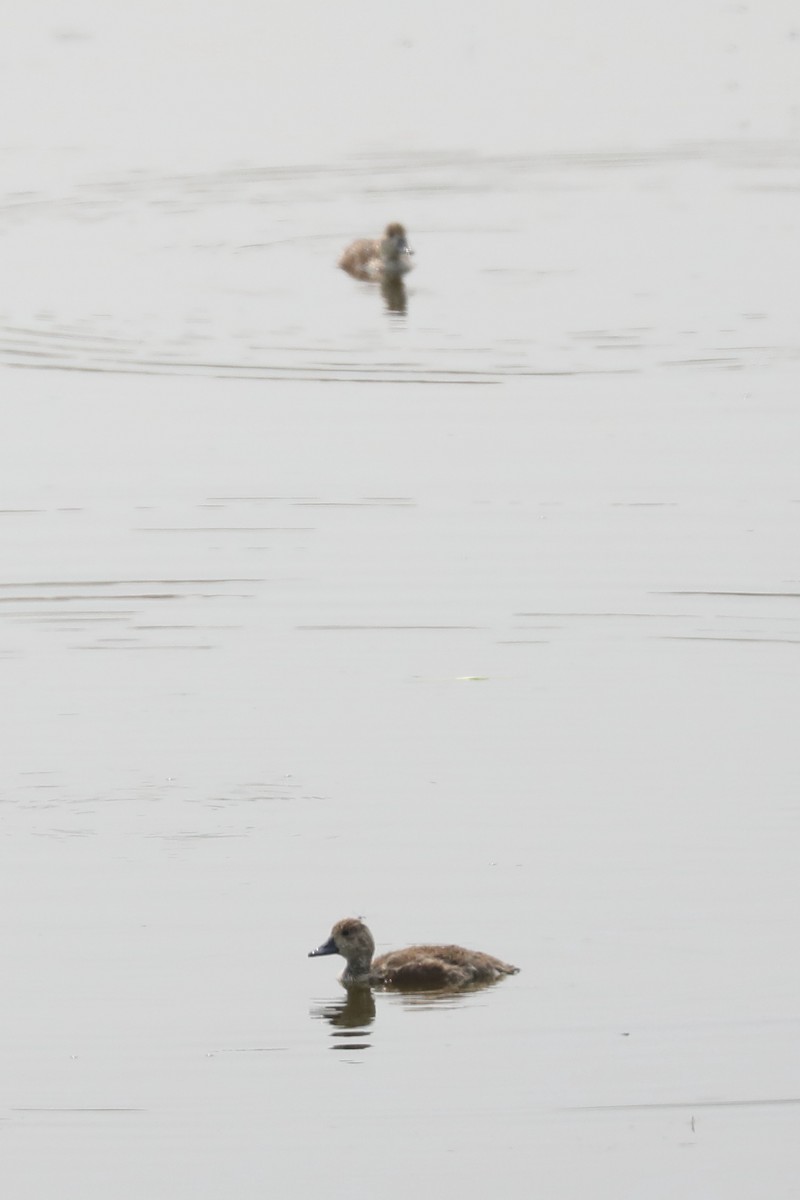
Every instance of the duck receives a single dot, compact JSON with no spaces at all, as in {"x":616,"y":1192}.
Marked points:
{"x":387,"y":257}
{"x":417,"y":968}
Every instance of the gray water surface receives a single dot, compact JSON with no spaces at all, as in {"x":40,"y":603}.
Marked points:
{"x":476,"y":615}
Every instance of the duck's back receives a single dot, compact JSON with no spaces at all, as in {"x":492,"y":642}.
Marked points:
{"x":438,"y":967}
{"x":362,"y":258}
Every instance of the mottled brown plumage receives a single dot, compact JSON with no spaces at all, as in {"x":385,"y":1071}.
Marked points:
{"x":423,"y":968}
{"x":388,"y":257}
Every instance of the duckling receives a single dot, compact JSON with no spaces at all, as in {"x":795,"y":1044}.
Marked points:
{"x":418,"y":968}
{"x":373,"y":259}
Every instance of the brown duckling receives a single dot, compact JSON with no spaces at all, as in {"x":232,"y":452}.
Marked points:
{"x":376,"y":259}
{"x":418,"y":968}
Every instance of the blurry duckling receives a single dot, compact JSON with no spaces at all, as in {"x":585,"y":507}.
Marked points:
{"x":387,"y":257}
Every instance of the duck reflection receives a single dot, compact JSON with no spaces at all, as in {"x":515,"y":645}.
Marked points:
{"x":350,"y":1017}
{"x":394,"y":293}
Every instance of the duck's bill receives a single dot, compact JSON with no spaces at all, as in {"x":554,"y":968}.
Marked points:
{"x":328,"y":947}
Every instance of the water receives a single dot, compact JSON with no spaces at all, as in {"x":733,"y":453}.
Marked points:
{"x":475,"y":615}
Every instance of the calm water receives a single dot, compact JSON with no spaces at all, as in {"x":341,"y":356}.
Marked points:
{"x":477,"y":615}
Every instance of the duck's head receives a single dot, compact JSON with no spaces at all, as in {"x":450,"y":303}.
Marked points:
{"x":395,"y":242}
{"x":353,"y":941}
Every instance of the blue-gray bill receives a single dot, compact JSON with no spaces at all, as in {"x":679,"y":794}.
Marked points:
{"x":328,"y":947}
